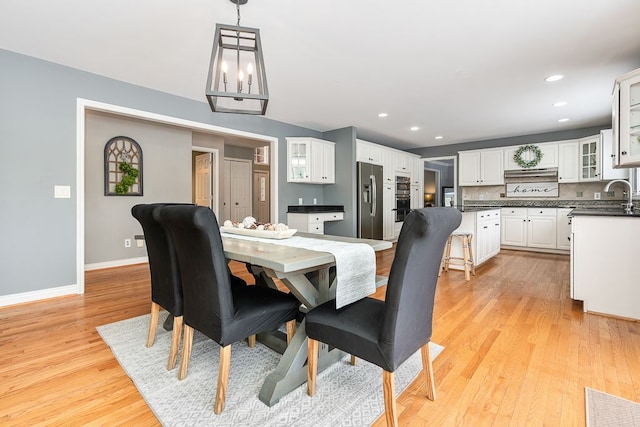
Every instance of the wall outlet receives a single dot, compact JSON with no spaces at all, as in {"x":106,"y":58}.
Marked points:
{"x":299,"y":200}
{"x":596,"y":196}
{"x":315,"y":201}
{"x":127,"y":243}
{"x":61,"y":191}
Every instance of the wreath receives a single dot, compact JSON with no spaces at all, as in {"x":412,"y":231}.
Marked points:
{"x":518,"y":156}
{"x":129,"y":175}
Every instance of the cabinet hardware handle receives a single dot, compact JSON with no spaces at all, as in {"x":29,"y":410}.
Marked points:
{"x":624,"y":153}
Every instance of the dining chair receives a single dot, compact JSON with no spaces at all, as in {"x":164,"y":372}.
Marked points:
{"x":212,"y":305}
{"x":166,"y":286}
{"x":386,"y":333}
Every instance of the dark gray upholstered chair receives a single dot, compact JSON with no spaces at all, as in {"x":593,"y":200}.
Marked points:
{"x":212,"y":305}
{"x":166,"y":287}
{"x":386,"y":333}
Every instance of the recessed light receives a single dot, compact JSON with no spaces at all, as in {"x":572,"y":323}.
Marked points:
{"x":560,"y":104}
{"x":563,"y":120}
{"x":382,"y":115}
{"x":554,"y":78}
{"x":439,"y":137}
{"x":414,"y":128}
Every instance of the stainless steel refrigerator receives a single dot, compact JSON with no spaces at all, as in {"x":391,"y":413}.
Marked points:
{"x":369,"y":201}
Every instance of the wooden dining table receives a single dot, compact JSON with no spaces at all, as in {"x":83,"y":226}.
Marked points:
{"x":306,"y":273}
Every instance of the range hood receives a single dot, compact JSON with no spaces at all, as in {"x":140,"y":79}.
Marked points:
{"x":549,"y":174}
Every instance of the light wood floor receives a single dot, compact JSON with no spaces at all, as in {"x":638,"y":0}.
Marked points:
{"x":518,"y":351}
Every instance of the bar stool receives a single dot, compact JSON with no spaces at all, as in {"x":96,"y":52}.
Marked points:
{"x":467,"y":254}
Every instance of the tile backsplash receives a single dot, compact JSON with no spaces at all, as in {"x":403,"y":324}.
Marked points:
{"x":576,"y":191}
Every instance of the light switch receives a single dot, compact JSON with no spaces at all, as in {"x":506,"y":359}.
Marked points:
{"x":62,"y":191}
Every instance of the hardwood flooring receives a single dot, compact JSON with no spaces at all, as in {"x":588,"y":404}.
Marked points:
{"x":518,"y":351}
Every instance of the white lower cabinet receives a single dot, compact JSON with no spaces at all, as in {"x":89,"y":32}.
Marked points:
{"x":563,"y":229}
{"x":485,"y":226}
{"x":530,"y":228}
{"x":312,"y":222}
{"x":603,"y":261}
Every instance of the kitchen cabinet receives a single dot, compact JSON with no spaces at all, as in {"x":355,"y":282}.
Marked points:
{"x":549,"y":156}
{"x":488,"y":235}
{"x":368,"y":152}
{"x":403,"y":164}
{"x":417,"y":197}
{"x":417,"y":173}
{"x":626,"y":120}
{"x":603,"y":273}
{"x":485,"y":226}
{"x":589,"y":159}
{"x":481,"y":167}
{"x":568,"y":165}
{"x":312,"y":222}
{"x":541,"y":228}
{"x":563,"y":230}
{"x":310,"y":160}
{"x":529,"y":227}
{"x":388,"y":214}
{"x":608,"y":172}
{"x":514,"y":226}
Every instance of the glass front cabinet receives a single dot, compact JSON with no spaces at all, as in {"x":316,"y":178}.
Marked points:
{"x":626,"y":120}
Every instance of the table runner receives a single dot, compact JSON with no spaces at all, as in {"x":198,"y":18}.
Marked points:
{"x":355,"y":264}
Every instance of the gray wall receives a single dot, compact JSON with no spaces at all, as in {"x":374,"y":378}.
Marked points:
{"x":343,"y":192}
{"x":452,"y":150}
{"x":38,"y":121}
{"x":166,"y":155}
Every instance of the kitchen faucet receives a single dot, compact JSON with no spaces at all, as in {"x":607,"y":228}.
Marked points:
{"x":629,"y":205}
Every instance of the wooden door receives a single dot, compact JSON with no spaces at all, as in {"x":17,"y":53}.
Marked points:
{"x":203,"y":184}
{"x":261,"y":196}
{"x":237,"y":197}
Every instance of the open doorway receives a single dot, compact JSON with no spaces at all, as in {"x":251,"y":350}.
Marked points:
{"x":441,"y":183}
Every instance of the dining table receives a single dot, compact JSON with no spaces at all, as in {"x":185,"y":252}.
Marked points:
{"x":311,"y":276}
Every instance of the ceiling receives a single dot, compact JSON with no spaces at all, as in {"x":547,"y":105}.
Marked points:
{"x":467,"y":70}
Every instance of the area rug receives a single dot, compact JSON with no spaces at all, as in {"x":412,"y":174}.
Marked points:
{"x":605,"y":410}
{"x":346,"y":395}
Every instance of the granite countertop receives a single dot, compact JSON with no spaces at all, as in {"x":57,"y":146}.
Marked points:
{"x":314,"y":208}
{"x":582,"y":211}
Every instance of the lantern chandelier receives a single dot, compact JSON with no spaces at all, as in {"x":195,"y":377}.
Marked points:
{"x":236,"y":82}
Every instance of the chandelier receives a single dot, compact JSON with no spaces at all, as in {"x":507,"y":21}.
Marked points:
{"x":236,"y":81}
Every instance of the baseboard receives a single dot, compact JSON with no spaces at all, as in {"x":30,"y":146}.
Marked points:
{"x":541,"y":250}
{"x":6,"y":300}
{"x":115,"y":263}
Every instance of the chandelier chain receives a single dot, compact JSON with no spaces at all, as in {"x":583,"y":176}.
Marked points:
{"x":238,"y":10}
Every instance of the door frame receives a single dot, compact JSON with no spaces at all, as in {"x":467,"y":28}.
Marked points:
{"x":455,"y":172}
{"x":215,"y":202}
{"x":83,"y":105}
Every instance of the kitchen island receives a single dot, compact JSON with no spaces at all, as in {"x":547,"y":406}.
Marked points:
{"x":604,"y":253}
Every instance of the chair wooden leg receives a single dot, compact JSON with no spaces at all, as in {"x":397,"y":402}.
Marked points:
{"x":354,"y":360}
{"x":251,"y":341}
{"x":391,"y":413}
{"x":175,"y":342}
{"x":465,"y":256}
{"x":448,"y":256}
{"x":153,"y":323}
{"x":312,"y":366}
{"x":291,"y":330}
{"x":187,"y":342}
{"x":223,"y":378}
{"x":471,"y":260}
{"x":427,"y":367}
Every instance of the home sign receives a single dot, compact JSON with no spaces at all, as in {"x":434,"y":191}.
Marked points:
{"x":532,"y":189}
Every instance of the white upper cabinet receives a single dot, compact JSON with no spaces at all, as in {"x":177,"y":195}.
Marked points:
{"x":481,"y":167}
{"x":626,"y":120}
{"x":310,"y":160}
{"x":589,"y":158}
{"x":568,"y":167}
{"x":403,"y":163}
{"x":607,"y":158}
{"x":368,"y":153}
{"x":549,"y":156}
